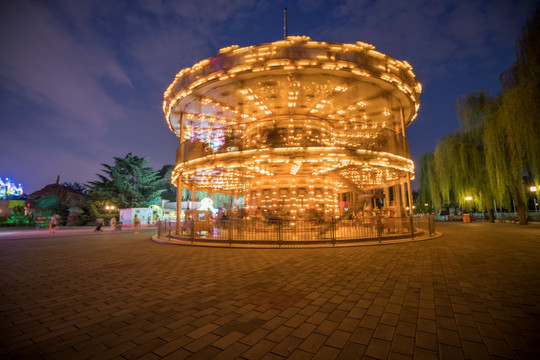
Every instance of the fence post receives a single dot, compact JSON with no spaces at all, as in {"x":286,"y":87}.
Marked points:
{"x":333,"y":231}
{"x":229,"y":227}
{"x":411,"y":225}
{"x":379,"y":227}
{"x":279,"y":232}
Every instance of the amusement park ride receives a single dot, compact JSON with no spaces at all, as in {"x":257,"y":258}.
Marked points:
{"x":295,"y":125}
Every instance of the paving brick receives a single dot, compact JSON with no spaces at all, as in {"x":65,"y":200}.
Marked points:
{"x":398,"y":356}
{"x":475,"y":350}
{"x":370,"y":322}
{"x":296,"y":320}
{"x":384,"y":332}
{"x":232,"y":352}
{"x":317,"y":318}
{"x":338,"y":339}
{"x":203,"y":330}
{"x":378,"y":349}
{"x":490,"y":331}
{"x":448,"y":352}
{"x":406,"y":328}
{"x":427,"y":340}
{"x":304,"y":330}
{"x":326,"y":327}
{"x":362,"y":335}
{"x":469,"y":334}
{"x":300,"y":355}
{"x":313,"y":343}
{"x":444,"y":322}
{"x":279,"y":334}
{"x":352,"y":351}
{"x":170,"y":347}
{"x":403,"y":345}
{"x":498,"y":348}
{"x":389,"y":319}
{"x":287,"y":346}
{"x":425,"y":354}
{"x":255,"y":337}
{"x":326,"y":353}
{"x":201,"y":342}
{"x":228,"y":340}
{"x":259,"y":350}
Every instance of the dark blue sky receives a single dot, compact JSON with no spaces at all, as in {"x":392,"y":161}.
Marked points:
{"x":83,"y":81}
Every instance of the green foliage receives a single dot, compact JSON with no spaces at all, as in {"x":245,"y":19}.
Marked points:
{"x":511,"y":136}
{"x":18,"y":217}
{"x":87,"y":216}
{"x":62,"y":211}
{"x":127,"y":183}
{"x":428,"y":183}
{"x":75,"y":186}
{"x":458,"y":169}
{"x":169,"y":192}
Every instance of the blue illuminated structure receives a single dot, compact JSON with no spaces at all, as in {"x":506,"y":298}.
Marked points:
{"x":8,"y":189}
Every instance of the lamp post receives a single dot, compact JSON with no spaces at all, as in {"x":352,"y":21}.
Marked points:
{"x":109,"y":208}
{"x":533,"y":190}
{"x":468,"y":217}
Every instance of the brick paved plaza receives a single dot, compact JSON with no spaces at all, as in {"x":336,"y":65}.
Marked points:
{"x":474,"y":293}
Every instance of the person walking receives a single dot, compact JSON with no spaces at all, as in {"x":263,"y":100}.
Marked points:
{"x":136,"y":222}
{"x":112,"y":223}
{"x":52,"y":224}
{"x":99,"y":224}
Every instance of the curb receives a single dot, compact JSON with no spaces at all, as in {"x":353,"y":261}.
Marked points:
{"x":289,"y":246}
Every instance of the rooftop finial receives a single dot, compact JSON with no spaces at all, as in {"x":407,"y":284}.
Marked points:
{"x":285,"y":28}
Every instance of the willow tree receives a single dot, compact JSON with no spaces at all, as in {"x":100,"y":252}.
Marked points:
{"x":475,"y":112}
{"x":512,"y":134}
{"x":458,"y":161}
{"x":428,"y":192}
{"x":498,"y":141}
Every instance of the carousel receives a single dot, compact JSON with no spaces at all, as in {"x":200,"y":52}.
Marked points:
{"x":295,"y":127}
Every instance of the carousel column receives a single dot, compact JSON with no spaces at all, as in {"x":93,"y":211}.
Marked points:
{"x":178,"y":203}
{"x":179,"y":188}
{"x":192,"y":197}
{"x":387,"y":196}
{"x":397,"y":200}
{"x":404,"y":133}
{"x":403,"y":196}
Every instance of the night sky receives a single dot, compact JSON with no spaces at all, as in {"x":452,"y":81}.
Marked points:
{"x":83,"y":81}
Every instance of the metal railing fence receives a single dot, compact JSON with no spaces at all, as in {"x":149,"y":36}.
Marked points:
{"x":290,"y":232}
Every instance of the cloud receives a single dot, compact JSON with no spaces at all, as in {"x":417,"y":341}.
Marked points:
{"x":432,"y":35}
{"x":43,"y":62}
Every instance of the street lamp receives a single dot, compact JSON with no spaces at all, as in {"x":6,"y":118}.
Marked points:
{"x":109,"y":208}
{"x":533,"y":190}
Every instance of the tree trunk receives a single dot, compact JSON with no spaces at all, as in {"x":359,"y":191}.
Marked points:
{"x":490,"y":215}
{"x":520,"y":207}
{"x":522,"y":212}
